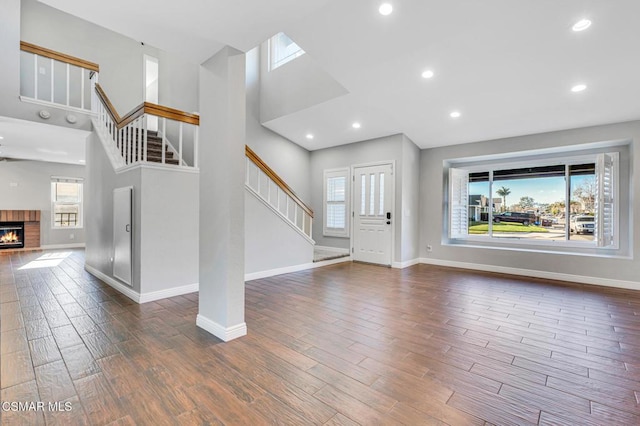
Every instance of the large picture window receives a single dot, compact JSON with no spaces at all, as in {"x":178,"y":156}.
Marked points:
{"x":567,"y":201}
{"x":66,"y":202}
{"x":336,"y":203}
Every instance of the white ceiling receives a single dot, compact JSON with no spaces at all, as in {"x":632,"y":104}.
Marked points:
{"x":29,"y":140}
{"x":507,"y":66}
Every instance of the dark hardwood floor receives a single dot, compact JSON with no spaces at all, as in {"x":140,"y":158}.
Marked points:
{"x":340,"y":345}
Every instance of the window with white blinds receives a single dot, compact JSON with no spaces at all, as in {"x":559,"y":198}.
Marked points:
{"x":336,"y":202}
{"x":66,"y":202}
{"x":583,"y":210}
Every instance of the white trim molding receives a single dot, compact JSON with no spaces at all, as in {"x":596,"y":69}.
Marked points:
{"x":294,"y":268}
{"x":141,"y":297}
{"x":581,"y":279}
{"x":333,"y":249}
{"x":170,"y":292}
{"x":122,"y":288}
{"x":405,"y":264}
{"x":62,"y":246}
{"x":223,"y":333}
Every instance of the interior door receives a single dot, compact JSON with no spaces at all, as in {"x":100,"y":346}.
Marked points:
{"x":373,"y":209}
{"x":122,"y":233}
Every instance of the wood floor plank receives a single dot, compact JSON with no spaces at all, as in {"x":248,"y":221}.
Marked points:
{"x":339,"y":345}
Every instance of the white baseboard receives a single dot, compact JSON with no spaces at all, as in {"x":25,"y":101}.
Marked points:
{"x":141,"y":297}
{"x":62,"y":246}
{"x":333,"y":249}
{"x":170,"y":292}
{"x":223,"y":333}
{"x":582,"y":279}
{"x":122,"y":288}
{"x":294,"y":268}
{"x":405,"y":264}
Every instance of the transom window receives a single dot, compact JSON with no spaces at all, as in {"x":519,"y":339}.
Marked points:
{"x":282,"y":50}
{"x":568,"y":201}
{"x":66,"y":202}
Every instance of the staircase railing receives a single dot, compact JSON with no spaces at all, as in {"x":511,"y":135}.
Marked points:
{"x":267,"y":185}
{"x":132,"y":134}
{"x":53,"y":78}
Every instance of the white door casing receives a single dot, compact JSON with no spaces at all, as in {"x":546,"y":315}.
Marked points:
{"x":373,"y":213}
{"x":123,"y":233}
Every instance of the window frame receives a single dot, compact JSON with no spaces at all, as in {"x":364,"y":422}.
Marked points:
{"x":54,"y":202}
{"x":271,"y":49}
{"x":345,"y":173}
{"x":602,"y":241}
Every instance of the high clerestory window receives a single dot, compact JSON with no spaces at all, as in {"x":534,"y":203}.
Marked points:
{"x":562,"y":201}
{"x":282,"y":50}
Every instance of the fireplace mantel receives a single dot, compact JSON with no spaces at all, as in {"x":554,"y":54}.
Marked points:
{"x":31,"y":219}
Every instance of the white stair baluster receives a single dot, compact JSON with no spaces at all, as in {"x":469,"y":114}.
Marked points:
{"x":52,"y":68}
{"x":68,"y":89}
{"x":35,"y":76}
{"x":164,"y":137}
{"x":180,"y":145}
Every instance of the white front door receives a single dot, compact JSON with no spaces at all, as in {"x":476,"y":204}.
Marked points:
{"x":372,"y":210}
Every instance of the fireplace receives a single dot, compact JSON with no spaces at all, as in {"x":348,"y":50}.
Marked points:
{"x":11,"y":235}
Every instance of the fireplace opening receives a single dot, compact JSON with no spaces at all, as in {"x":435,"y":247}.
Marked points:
{"x":11,"y":235}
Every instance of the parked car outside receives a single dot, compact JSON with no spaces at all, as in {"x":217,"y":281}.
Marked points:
{"x":518,"y":217}
{"x":582,"y":224}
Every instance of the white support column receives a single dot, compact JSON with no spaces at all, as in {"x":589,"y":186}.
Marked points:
{"x":222,"y":107}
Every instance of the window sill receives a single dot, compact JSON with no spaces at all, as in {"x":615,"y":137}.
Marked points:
{"x":562,"y":248}
{"x":335,"y":235}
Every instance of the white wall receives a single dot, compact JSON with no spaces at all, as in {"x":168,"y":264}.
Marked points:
{"x":33,"y":192}
{"x":120,"y":58}
{"x":99,"y":210}
{"x":294,"y":86}
{"x":270,"y":243}
{"x":169,"y":229}
{"x":165,"y":222}
{"x":288,"y":160}
{"x":410,"y":201}
{"x":433,"y":205}
{"x":376,"y":150}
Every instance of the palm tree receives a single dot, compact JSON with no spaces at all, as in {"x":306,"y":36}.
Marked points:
{"x":503,"y":192}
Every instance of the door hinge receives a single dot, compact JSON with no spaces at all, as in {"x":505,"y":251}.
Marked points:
{"x":352,"y":214}
{"x":351,"y":249}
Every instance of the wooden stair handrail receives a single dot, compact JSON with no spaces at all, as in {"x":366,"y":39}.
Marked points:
{"x":277,"y":179}
{"x":62,"y":57}
{"x":145,"y":108}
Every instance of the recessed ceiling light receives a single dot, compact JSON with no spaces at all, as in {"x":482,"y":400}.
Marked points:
{"x":427,"y":74}
{"x":578,"y":87}
{"x":309,"y":136}
{"x":385,"y":9}
{"x":1,"y":137}
{"x":581,"y":25}
{"x":455,"y":114}
{"x":356,"y":125}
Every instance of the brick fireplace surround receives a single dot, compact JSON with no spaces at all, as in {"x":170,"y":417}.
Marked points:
{"x":31,"y":219}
